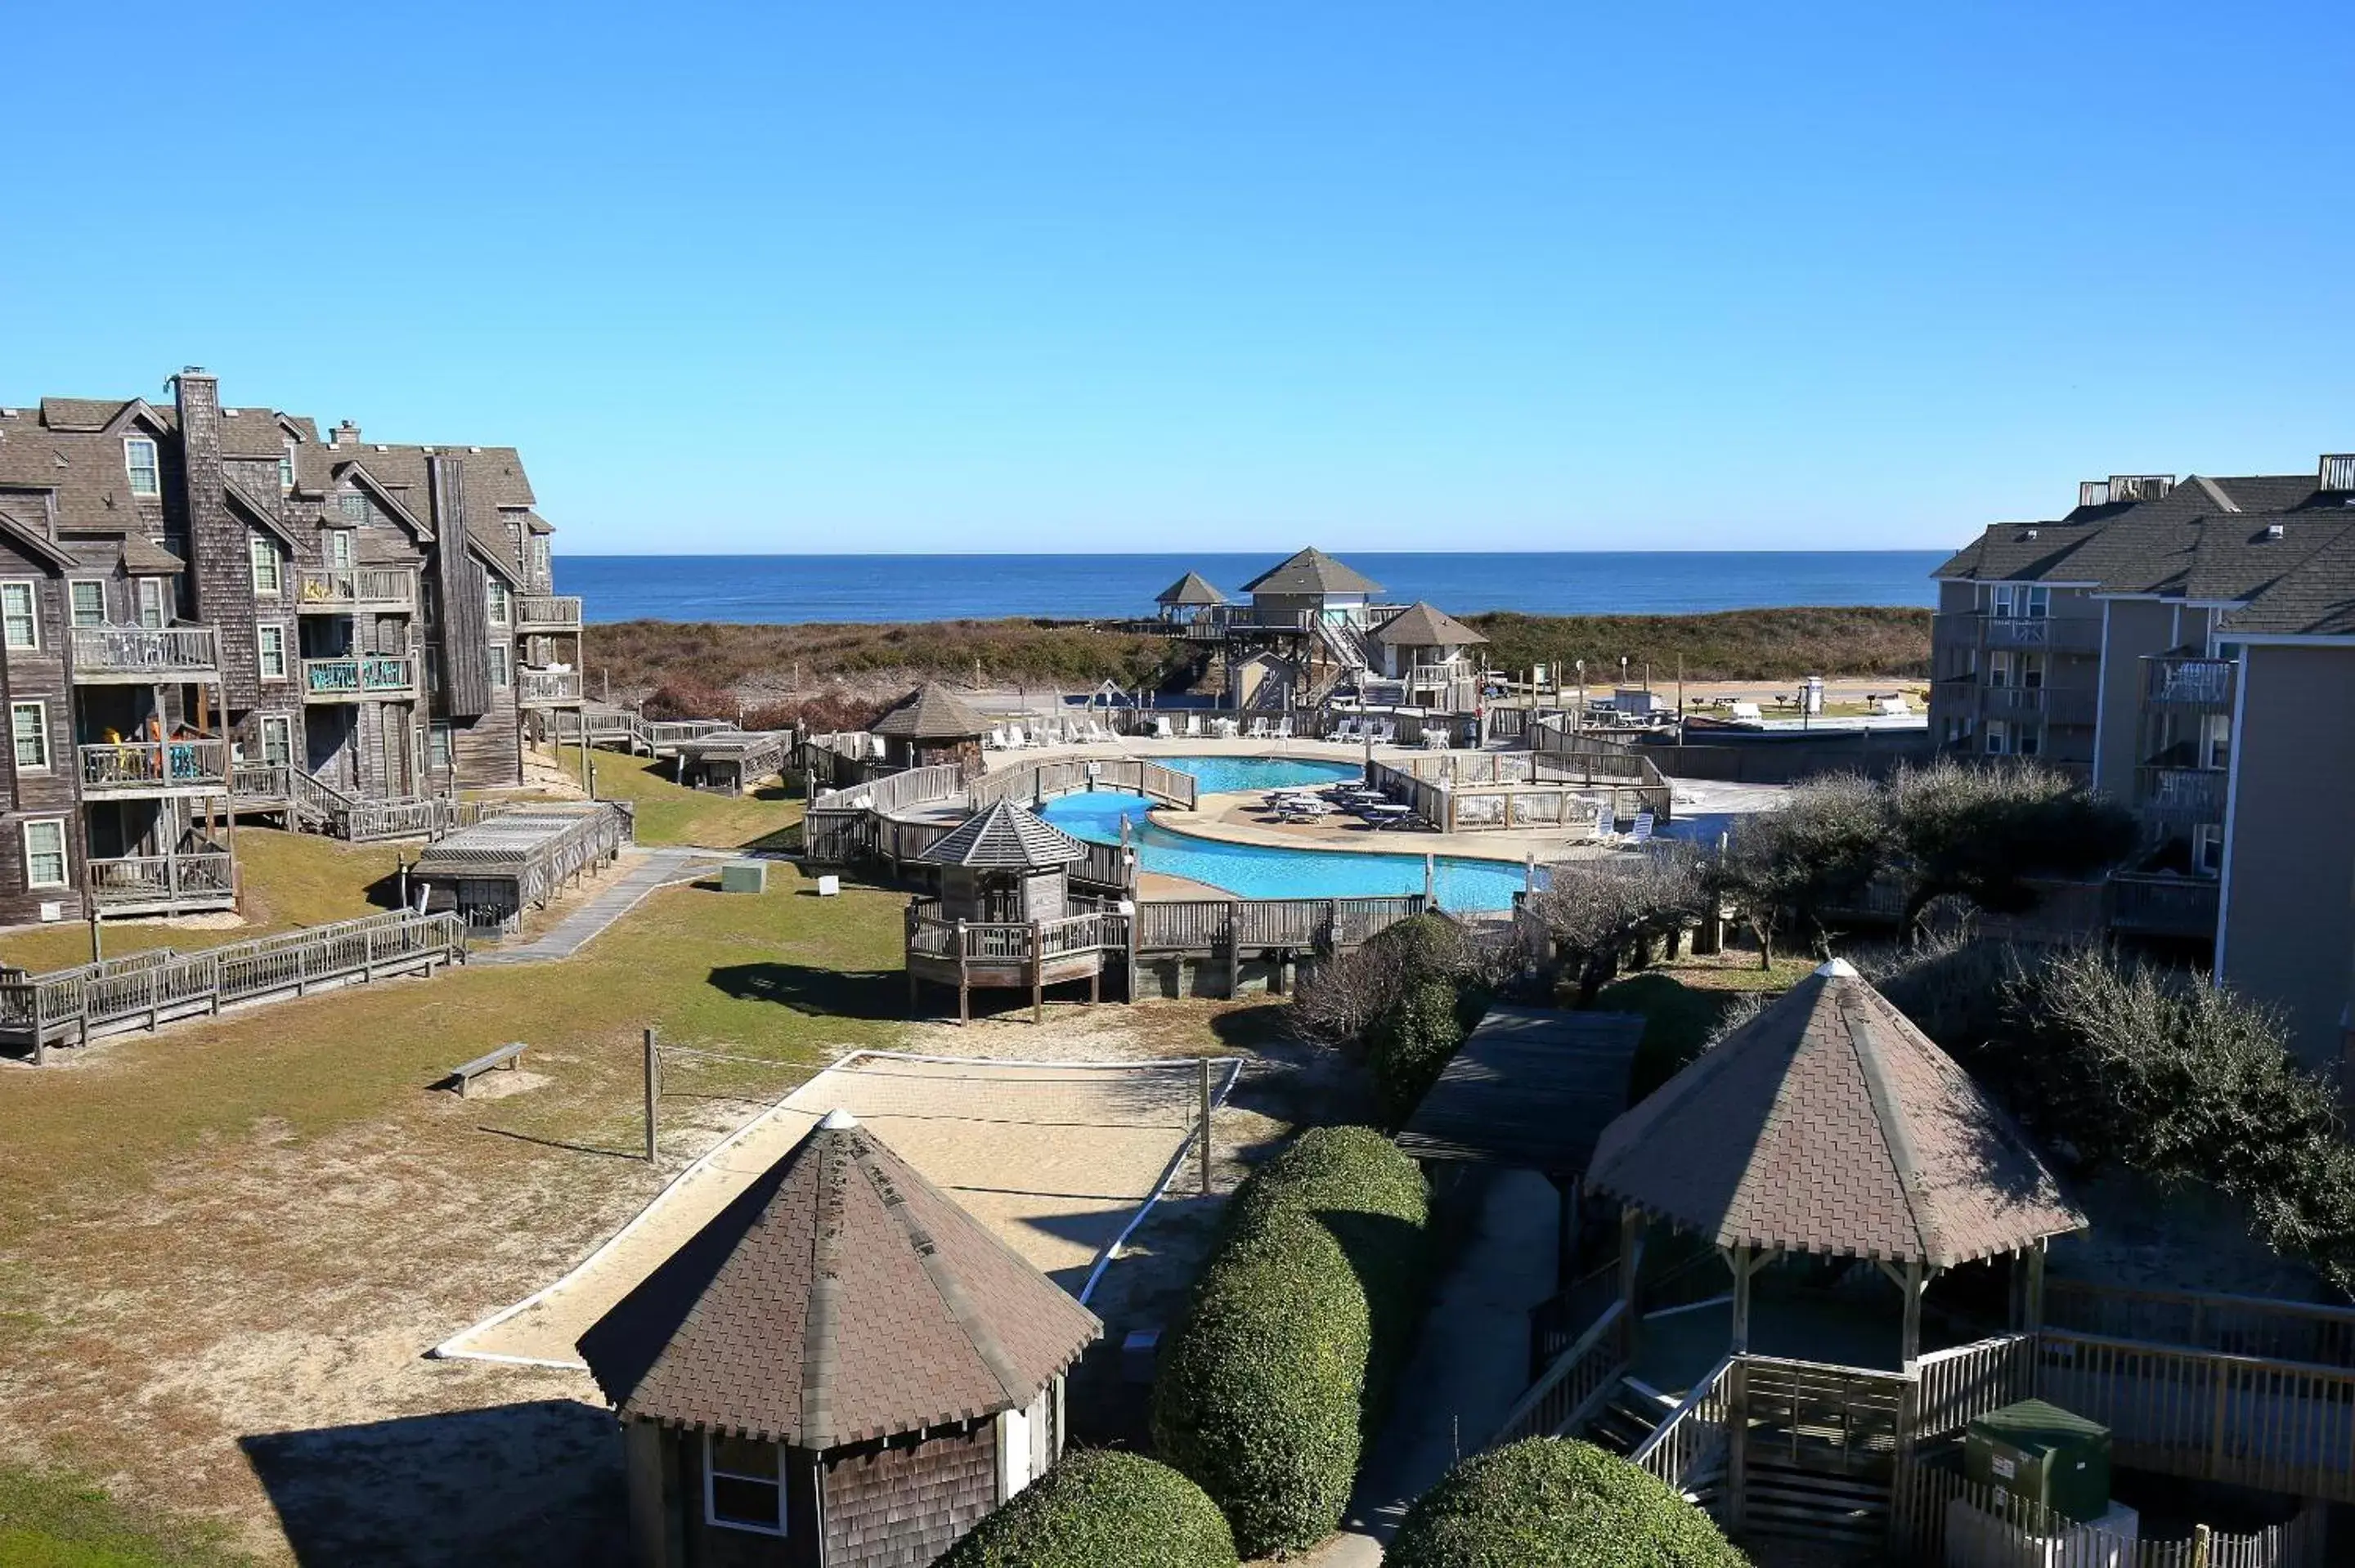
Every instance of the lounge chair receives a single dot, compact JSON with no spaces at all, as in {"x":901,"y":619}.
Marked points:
{"x":1161,"y":730}
{"x":996,"y":739}
{"x":1345,"y":730}
{"x":1606,"y":822}
{"x":1258,"y":729}
{"x":1014,"y":739}
{"x":1193,"y":726}
{"x":1641,"y":832}
{"x":1283,"y":727}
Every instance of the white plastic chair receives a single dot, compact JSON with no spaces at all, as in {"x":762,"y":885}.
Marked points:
{"x":1283,"y":727}
{"x":1605,"y":820}
{"x":1161,"y":730}
{"x":1259,"y":729}
{"x":1014,"y":739}
{"x":1641,"y":834}
{"x":1193,"y":726}
{"x":996,"y":739}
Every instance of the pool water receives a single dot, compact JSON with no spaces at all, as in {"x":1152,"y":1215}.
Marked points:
{"x":1227,"y":775}
{"x":1255,"y":871}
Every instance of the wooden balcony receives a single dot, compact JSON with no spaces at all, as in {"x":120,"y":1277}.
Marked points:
{"x":2069,"y":634}
{"x":363,"y":677}
{"x":2202,"y":685}
{"x":547,"y":613}
{"x":546,"y":688}
{"x":2163,"y":906}
{"x":125,"y":770}
{"x":179,"y":883}
{"x":2054,"y":704}
{"x":144,"y":655}
{"x":389,"y":590}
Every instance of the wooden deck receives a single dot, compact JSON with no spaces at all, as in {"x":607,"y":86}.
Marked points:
{"x":1531,"y":1087}
{"x":145,"y":989}
{"x":491,"y":872}
{"x":1000,"y":955}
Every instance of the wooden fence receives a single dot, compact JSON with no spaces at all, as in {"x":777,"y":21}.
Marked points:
{"x":145,"y":989}
{"x":1029,"y":781}
{"x":1222,"y":925}
{"x":2236,"y":1325}
{"x":1476,"y":790}
{"x":1938,"y":1515}
{"x":1574,"y":1388}
{"x":1959,"y":1386}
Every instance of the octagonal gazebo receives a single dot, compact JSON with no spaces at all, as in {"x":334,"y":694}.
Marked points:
{"x":1006,"y":915}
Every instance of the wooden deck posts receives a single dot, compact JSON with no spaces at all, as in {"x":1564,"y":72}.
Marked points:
{"x":1037,"y":973}
{"x":964,"y":981}
{"x":1746,"y":1263}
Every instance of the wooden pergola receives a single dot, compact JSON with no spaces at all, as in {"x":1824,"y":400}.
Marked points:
{"x":1830,"y":1125}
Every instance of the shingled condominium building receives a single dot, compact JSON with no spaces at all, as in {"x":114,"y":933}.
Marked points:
{"x":2189,"y":648}
{"x":209,"y":608}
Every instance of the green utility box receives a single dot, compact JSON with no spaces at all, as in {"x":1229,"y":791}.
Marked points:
{"x":744,"y":876}
{"x":2043,"y":1453}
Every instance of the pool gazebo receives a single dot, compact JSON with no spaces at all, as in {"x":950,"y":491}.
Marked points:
{"x":1189,"y":599}
{"x":1006,"y":917}
{"x":931,"y":725}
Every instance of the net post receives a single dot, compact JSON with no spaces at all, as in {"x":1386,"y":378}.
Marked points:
{"x":654,"y":1090}
{"x":1206,"y":1127}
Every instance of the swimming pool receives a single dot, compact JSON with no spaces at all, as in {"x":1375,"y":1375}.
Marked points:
{"x":1256,"y":870}
{"x":1226,"y":775}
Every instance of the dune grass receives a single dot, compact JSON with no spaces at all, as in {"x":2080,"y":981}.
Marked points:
{"x":668,"y":813}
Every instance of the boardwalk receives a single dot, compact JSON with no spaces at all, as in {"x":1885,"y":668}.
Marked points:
{"x":654,"y":868}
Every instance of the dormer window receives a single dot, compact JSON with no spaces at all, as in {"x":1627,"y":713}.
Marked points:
{"x":352,"y":506}
{"x":139,"y":463}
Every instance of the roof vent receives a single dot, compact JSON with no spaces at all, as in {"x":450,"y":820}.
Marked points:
{"x":2274,"y":531}
{"x":2093,"y":493}
{"x":2029,"y":535}
{"x":1837,"y":969}
{"x":837,"y":1120}
{"x":2141,"y":486}
{"x":2339,"y":470}
{"x":231,"y":413}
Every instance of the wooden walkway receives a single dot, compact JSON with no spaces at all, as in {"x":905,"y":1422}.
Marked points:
{"x":653,"y":869}
{"x":1533,"y":1087}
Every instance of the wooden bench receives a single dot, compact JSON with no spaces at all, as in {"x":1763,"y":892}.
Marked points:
{"x":508,"y":1056}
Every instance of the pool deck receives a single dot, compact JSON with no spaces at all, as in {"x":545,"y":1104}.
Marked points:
{"x":1236,"y":819}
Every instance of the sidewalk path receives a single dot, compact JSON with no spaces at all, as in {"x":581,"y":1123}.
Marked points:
{"x":620,"y":895}
{"x":1469,"y":1366}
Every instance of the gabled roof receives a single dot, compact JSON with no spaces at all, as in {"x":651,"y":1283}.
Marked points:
{"x":141,"y":557}
{"x":1829,"y":1124}
{"x":1005,"y":838}
{"x":33,"y":542}
{"x":262,"y":516}
{"x":840,"y":1298}
{"x":1419,"y":625}
{"x":1311,"y":571}
{"x":931,"y":712}
{"x":1191,"y":589}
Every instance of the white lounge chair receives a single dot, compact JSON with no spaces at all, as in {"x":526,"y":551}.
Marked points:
{"x":1345,"y":730}
{"x":1161,"y":730}
{"x":1193,"y":726}
{"x":996,"y":739}
{"x":1641,"y":832}
{"x":1384,"y":731}
{"x":1014,"y":739}
{"x":1259,"y":729}
{"x":1605,"y":820}
{"x":1283,"y":727}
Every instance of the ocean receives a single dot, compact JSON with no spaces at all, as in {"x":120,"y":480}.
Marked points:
{"x":770,"y":589}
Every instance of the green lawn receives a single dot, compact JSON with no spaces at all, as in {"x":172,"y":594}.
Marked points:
{"x":59,"y":1521}
{"x":669,"y":814}
{"x":1681,"y":1002}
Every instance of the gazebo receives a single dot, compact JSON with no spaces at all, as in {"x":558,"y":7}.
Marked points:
{"x":931,"y":725}
{"x":842,"y":1367}
{"x":1829,"y":1125}
{"x":1189,"y":599}
{"x":1004,"y":916}
{"x":1423,"y":647}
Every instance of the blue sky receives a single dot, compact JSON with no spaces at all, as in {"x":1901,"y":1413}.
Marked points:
{"x":1018,"y":276}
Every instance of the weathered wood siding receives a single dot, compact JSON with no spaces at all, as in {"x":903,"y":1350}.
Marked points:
{"x":902,"y":1506}
{"x":463,"y":643}
{"x":220,"y":561}
{"x":40,"y":675}
{"x":487,"y":753}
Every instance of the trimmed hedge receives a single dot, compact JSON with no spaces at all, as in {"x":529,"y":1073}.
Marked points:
{"x":1412,"y":1045}
{"x":1267,"y":1395}
{"x":1547,"y":1503}
{"x":1097,"y":1509}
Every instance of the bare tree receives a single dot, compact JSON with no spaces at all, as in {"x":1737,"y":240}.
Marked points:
{"x":1601,"y":914}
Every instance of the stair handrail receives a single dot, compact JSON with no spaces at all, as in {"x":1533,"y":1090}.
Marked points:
{"x":1600,"y":1335}
{"x":1670,"y":1434}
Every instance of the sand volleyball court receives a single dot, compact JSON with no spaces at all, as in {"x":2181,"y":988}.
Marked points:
{"x":1058,"y":1159}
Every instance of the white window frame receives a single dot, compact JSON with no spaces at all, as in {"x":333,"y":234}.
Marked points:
{"x":2027,"y":739}
{"x":352,"y":507}
{"x":261,"y":634}
{"x":261,"y":547}
{"x":153,"y":467}
{"x":346,"y":540}
{"x":2208,"y":849}
{"x":40,"y":711}
{"x":284,"y":727}
{"x":65,"y":854}
{"x":142,"y":591}
{"x":502,"y":663}
{"x":73,"y":605}
{"x":1998,"y":735}
{"x":286,"y":467}
{"x":498,"y":601}
{"x":32,"y":589}
{"x":441,"y":747}
{"x":711,"y":1472}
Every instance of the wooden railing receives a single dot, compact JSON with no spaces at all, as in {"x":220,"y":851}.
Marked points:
{"x":1030,"y":781}
{"x":2164,"y":906}
{"x":133,"y":767}
{"x":365,"y":674}
{"x":549,"y":611}
{"x":419,"y":817}
{"x":2284,"y":1426}
{"x":1959,"y":1385}
{"x":893,"y":792}
{"x":1847,"y":1418}
{"x":2183,"y":794}
{"x":1688,"y":1450}
{"x":2174,"y":682}
{"x":2310,"y":1332}
{"x":344,"y":589}
{"x":1574,"y":1387}
{"x":549,"y":686}
{"x":164,"y":653}
{"x":149,"y":987}
{"x":1214,"y":925}
{"x":206,"y":877}
{"x":993,"y":941}
{"x":260,"y":780}
{"x":1937,"y":1515}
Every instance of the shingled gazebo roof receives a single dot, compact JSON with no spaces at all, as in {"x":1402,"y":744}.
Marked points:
{"x":1190,"y":589}
{"x":1420,"y":625}
{"x":1005,"y":838}
{"x":1311,"y":571}
{"x":841,"y":1298}
{"x":1829,"y":1124}
{"x":931,"y":712}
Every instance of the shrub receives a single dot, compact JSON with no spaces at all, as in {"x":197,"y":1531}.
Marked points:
{"x":1268,"y":1391}
{"x":1547,"y":1503}
{"x":1100,"y":1510}
{"x":1412,"y":1043}
{"x":682,"y":697}
{"x":1981,"y":832}
{"x":1341,"y":1000}
{"x":1601,"y":914}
